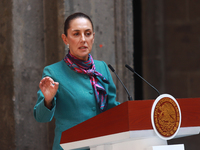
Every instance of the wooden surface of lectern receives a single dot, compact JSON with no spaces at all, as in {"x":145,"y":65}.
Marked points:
{"x":128,"y":126}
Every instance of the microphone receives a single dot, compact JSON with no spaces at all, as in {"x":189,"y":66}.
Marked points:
{"x":131,"y":69}
{"x":113,"y":70}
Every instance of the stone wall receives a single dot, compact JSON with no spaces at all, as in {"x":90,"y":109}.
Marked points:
{"x":28,"y":62}
{"x":30,"y":38}
{"x":7,"y":125}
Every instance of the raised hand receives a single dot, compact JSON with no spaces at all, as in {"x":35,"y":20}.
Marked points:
{"x":49,"y":89}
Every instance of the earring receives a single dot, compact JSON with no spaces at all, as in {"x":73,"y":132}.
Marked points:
{"x":68,"y":46}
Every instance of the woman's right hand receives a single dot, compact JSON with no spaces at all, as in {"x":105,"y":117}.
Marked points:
{"x":49,"y":89}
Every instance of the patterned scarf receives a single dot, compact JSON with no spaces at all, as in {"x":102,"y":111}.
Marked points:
{"x":88,"y":67}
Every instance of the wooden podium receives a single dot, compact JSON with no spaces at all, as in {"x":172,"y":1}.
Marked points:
{"x":128,"y":126}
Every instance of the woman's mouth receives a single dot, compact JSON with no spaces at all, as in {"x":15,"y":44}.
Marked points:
{"x":83,"y":47}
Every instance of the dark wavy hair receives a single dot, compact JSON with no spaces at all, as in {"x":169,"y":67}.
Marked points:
{"x":74,"y":16}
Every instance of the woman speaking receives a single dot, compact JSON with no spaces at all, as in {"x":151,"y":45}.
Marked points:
{"x":76,"y":88}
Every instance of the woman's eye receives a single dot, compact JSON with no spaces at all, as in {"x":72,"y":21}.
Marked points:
{"x":76,"y":34}
{"x":88,"y":33}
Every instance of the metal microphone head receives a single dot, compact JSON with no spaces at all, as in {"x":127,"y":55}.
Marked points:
{"x":111,"y":68}
{"x":131,"y":69}
{"x":127,"y":66}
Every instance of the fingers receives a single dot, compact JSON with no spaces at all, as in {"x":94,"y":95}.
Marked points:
{"x":56,"y":84}
{"x":48,"y":81}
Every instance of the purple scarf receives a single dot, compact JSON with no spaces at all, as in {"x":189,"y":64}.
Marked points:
{"x":88,"y":67}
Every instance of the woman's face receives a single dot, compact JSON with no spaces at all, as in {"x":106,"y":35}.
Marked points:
{"x":80,"y":37}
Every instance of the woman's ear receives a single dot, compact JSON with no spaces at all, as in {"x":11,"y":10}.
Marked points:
{"x":93,"y":36}
{"x":64,"y":38}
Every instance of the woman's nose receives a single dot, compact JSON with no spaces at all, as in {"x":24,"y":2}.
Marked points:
{"x":83,"y":38}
